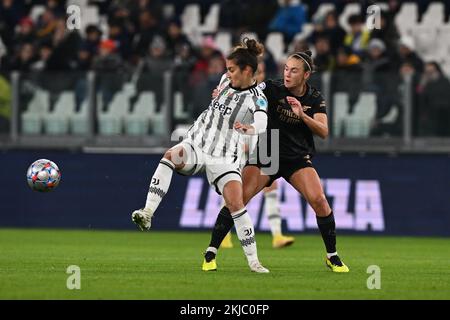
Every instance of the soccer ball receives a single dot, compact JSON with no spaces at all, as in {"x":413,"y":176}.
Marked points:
{"x":43,"y":175}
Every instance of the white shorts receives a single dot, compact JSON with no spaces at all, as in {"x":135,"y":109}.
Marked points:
{"x":219,"y":170}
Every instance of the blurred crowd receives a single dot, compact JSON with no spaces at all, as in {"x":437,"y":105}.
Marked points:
{"x":142,"y":41}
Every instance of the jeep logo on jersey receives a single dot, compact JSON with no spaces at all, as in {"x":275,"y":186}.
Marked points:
{"x":221,"y":108}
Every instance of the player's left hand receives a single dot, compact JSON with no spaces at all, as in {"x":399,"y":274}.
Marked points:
{"x":244,"y":128}
{"x":296,"y":106}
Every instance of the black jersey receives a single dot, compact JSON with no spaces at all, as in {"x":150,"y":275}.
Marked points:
{"x":296,"y":138}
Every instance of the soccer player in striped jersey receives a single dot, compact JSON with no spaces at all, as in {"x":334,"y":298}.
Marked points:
{"x":271,"y":201}
{"x":298,"y":111}
{"x":214,"y":144}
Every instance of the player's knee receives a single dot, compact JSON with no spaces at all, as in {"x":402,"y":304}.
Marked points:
{"x":168,"y":155}
{"x":319,"y":203}
{"x":235,"y":205}
{"x":175,"y":156}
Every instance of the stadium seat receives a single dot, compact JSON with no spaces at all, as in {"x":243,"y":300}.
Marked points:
{"x":406,"y":17}
{"x":138,"y":122}
{"x":81,"y":3}
{"x":178,"y":107}
{"x":307,"y":30}
{"x":351,"y":8}
{"x":383,"y":6}
{"x":36,"y":11}
{"x":211,"y":20}
{"x":89,"y":16}
{"x":358,"y":123}
{"x":79,"y":121}
{"x":251,"y":35}
{"x":275,"y":44}
{"x":36,"y":111}
{"x":340,"y":112}
{"x":190,"y":18}
{"x":391,"y":116}
{"x":426,"y":40}
{"x":434,"y":16}
{"x":110,"y":122}
{"x":322,"y":10}
{"x":223,"y":41}
{"x":57,"y":122}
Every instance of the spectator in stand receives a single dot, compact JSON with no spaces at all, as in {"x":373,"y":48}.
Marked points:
{"x":347,"y":75}
{"x":92,"y":41}
{"x":358,"y":37}
{"x":24,"y":59}
{"x":380,"y":78}
{"x":406,"y":53}
{"x":329,"y":27}
{"x":387,"y":33}
{"x":256,"y":14}
{"x":25,"y":33}
{"x":208,"y":49}
{"x":46,"y":25}
{"x":202,"y":92}
{"x":109,"y":68}
{"x":175,"y":38}
{"x":137,"y":6}
{"x":119,"y":34}
{"x":150,"y":71}
{"x":147,"y":29}
{"x":289,"y":20}
{"x":10,"y":14}
{"x":333,"y":31}
{"x":230,"y":16}
{"x":324,"y":60}
{"x":377,"y":64}
{"x":434,"y":101}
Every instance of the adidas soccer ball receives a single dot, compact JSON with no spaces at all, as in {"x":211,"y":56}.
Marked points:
{"x":43,"y":175}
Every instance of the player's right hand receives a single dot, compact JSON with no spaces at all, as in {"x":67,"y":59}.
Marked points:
{"x":215,"y":93}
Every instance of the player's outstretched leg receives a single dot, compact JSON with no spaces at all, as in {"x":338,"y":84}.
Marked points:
{"x":159,"y":186}
{"x":273,"y":215}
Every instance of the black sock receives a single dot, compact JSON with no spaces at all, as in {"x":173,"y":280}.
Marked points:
{"x":327,"y":228}
{"x":224,"y":223}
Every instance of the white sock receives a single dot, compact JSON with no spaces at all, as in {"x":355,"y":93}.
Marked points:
{"x":212,"y":249}
{"x":329,"y":255}
{"x":246,"y":234}
{"x":273,"y":212}
{"x":159,"y":184}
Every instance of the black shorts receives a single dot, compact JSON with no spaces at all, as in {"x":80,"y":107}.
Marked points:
{"x":286,"y":169}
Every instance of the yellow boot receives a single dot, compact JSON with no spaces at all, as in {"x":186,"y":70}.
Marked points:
{"x":226,"y":242}
{"x":281,"y":241}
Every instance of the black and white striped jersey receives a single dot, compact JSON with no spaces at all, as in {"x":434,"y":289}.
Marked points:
{"x":213,"y":130}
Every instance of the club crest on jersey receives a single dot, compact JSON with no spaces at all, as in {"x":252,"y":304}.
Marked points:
{"x":224,"y":110}
{"x":262,"y":103}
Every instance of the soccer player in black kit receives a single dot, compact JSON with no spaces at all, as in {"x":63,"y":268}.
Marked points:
{"x":298,"y":111}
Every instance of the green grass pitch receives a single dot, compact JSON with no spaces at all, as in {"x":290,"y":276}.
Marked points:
{"x":167,"y":265}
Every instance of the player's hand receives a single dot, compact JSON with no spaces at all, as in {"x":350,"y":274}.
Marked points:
{"x":244,"y":128}
{"x":215,"y":93}
{"x":296,"y":106}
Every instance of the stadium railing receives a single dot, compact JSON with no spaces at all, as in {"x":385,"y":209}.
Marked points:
{"x":101,"y":110}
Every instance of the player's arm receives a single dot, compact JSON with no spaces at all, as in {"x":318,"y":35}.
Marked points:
{"x":318,"y":124}
{"x":258,"y":126}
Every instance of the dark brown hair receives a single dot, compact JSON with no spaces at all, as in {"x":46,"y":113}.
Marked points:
{"x":246,"y":54}
{"x":305,"y":56}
